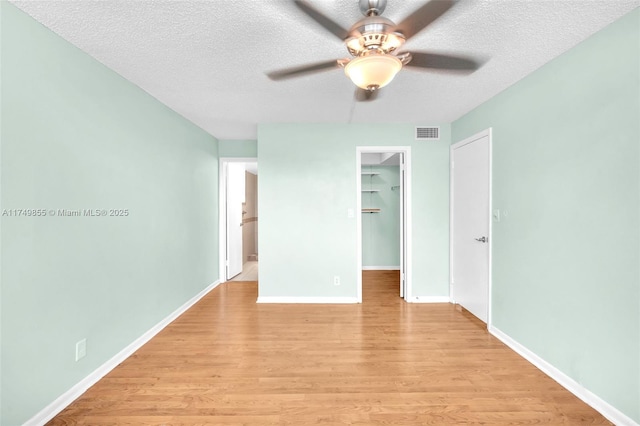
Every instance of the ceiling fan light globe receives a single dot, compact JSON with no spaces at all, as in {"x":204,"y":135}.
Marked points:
{"x":372,"y":70}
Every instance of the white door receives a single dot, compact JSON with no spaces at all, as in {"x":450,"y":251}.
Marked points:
{"x":235,"y":198}
{"x":470,"y":173}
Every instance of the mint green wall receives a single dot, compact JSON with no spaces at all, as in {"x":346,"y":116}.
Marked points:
{"x":1,"y":19}
{"x":238,"y":148}
{"x":566,"y":281}
{"x":381,"y":231}
{"x":307,"y":183}
{"x":76,"y":135}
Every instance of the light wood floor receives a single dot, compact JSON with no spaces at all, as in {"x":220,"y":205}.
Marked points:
{"x":249,"y":272}
{"x":230,"y":361}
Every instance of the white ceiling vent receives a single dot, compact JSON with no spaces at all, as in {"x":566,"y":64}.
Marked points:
{"x":427,"y":133}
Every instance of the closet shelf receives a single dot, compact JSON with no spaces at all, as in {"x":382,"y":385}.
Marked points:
{"x":370,"y":210}
{"x":370,"y":190}
{"x":370,"y":173}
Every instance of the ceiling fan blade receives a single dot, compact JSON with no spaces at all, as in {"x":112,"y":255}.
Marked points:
{"x":363,"y":95}
{"x":436,"y":61}
{"x":322,"y":19}
{"x":302,"y":70}
{"x":423,"y":16}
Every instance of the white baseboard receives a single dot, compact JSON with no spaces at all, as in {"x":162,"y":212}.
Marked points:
{"x":81,"y":387}
{"x":380,"y":268}
{"x":429,"y":299}
{"x":607,"y":410}
{"x":327,"y":300}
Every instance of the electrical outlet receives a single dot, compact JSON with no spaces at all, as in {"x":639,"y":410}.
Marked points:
{"x":81,"y":349}
{"x":336,"y":280}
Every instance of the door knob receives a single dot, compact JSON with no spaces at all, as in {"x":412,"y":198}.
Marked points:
{"x":482,"y":239}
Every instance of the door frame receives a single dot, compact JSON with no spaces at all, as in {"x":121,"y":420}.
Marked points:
{"x":406,"y":255}
{"x":488,"y":133}
{"x":222,"y":210}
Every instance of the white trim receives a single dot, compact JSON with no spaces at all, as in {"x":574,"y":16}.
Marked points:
{"x":64,"y":400}
{"x":408,"y":224}
{"x":222,"y":209}
{"x":222,"y":214}
{"x":430,"y":299}
{"x":325,"y":300}
{"x":607,"y":410}
{"x":359,"y":225}
{"x":380,"y":268}
{"x":408,"y":256}
{"x":489,"y":133}
{"x":451,"y":283}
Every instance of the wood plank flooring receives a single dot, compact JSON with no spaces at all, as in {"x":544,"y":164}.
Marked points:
{"x":230,"y":361}
{"x":249,"y":272}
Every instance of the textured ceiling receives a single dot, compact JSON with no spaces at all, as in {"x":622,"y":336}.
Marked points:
{"x":207,"y":59}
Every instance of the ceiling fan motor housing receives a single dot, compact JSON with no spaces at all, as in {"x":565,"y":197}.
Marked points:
{"x":372,"y":7}
{"x":373,"y":33}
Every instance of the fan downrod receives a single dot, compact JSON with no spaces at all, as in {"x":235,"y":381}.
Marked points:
{"x":372,"y":7}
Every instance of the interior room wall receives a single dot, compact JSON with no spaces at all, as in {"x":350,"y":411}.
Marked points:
{"x":566,"y":178}
{"x":381,"y":231}
{"x":76,"y":136}
{"x":308,"y":184}
{"x":238,"y":148}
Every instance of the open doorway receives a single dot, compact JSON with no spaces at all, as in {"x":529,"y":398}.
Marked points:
{"x":238,"y":219}
{"x":384,"y":222}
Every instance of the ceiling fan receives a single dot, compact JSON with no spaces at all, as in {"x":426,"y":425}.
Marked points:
{"x":373,"y":43}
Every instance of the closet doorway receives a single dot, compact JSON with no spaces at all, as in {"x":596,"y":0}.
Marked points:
{"x":384,"y":213}
{"x":238,"y":219}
